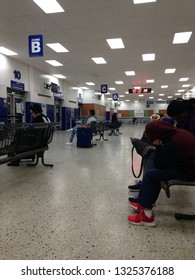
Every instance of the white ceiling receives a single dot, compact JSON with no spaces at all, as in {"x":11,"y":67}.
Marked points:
{"x":83,"y":30}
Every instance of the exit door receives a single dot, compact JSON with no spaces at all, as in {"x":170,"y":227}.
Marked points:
{"x":15,"y":103}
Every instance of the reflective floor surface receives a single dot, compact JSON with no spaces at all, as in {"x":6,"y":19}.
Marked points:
{"x":78,"y":209}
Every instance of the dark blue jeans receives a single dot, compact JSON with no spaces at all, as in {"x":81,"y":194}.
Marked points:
{"x":151,"y":184}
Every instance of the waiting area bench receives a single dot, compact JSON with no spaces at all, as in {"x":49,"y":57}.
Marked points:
{"x":171,"y":183}
{"x":25,"y":141}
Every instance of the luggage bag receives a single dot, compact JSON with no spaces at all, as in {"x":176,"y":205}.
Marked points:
{"x":84,"y":137}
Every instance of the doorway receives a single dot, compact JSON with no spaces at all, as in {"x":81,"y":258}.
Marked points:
{"x":15,"y":106}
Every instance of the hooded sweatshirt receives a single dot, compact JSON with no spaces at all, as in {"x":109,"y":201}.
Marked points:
{"x":177,"y":150}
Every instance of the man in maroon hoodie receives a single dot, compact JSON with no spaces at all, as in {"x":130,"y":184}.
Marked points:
{"x":174,"y":160}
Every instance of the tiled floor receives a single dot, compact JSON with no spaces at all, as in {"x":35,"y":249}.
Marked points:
{"x":78,"y":209}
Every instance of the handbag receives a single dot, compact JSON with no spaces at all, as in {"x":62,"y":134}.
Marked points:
{"x":142,"y":147}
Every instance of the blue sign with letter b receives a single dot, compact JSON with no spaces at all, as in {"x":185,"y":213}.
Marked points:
{"x":35,"y":45}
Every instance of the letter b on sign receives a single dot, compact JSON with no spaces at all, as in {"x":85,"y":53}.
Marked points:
{"x":35,"y":44}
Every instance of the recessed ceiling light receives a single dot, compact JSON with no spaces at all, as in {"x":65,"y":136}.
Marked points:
{"x":112,"y":88}
{"x":148,"y":57}
{"x":170,"y":96}
{"x":149,"y":81}
{"x":54,"y":62}
{"x":59,"y":76}
{"x":57,"y":47}
{"x":130,"y":73}
{"x":116,"y":43}
{"x":161,"y":94}
{"x":84,"y":87}
{"x":143,"y":1}
{"x":99,"y":60}
{"x":49,"y":6}
{"x":169,"y":71}
{"x":136,"y":101}
{"x":186,"y":85}
{"x":159,"y":99}
{"x":109,"y":98}
{"x":181,"y":90}
{"x":183,"y":79}
{"x":7,"y":51}
{"x":182,"y":37}
{"x":127,"y":100}
{"x":90,"y":84}
{"x":121,"y":95}
{"x":177,"y":93}
{"x":164,"y":86}
{"x":140,"y":95}
{"x":151,"y":97}
{"x":119,"y":82}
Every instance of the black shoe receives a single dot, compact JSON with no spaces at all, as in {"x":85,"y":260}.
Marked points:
{"x":133,"y":199}
{"x":14,"y":163}
{"x":135,"y":187}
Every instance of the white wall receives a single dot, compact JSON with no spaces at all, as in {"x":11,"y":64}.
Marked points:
{"x":7,"y":68}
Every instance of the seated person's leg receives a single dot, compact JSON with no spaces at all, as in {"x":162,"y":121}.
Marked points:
{"x":149,"y":192}
{"x":72,"y":135}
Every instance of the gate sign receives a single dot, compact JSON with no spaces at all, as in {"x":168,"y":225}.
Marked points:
{"x":35,"y":45}
{"x":115,"y":96}
{"x":104,"y":88}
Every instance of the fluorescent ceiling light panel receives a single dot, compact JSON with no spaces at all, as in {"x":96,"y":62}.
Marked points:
{"x":54,"y":62}
{"x":183,"y":79}
{"x":116,"y":43}
{"x":57,"y":47}
{"x":112,"y":88}
{"x":99,"y":60}
{"x":7,"y":51}
{"x":121,"y":95}
{"x":161,"y":94}
{"x":90,"y":84}
{"x":181,"y":90}
{"x":181,"y":37}
{"x":151,"y":97}
{"x":164,"y":86}
{"x":170,"y":96}
{"x":140,"y":95}
{"x":170,"y":71}
{"x":119,"y":82}
{"x":148,"y":57}
{"x":186,"y":85}
{"x":84,"y":87}
{"x":49,"y":6}
{"x":143,"y":1}
{"x":149,"y":81}
{"x":130,"y":73}
{"x":59,"y":76}
{"x":177,"y":93}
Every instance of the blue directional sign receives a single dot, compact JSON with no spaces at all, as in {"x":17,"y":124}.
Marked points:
{"x":115,"y":96}
{"x":35,"y":45}
{"x":104,"y":88}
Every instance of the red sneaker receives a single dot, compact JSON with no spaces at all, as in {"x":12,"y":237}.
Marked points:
{"x":136,"y":206}
{"x":142,"y":220}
